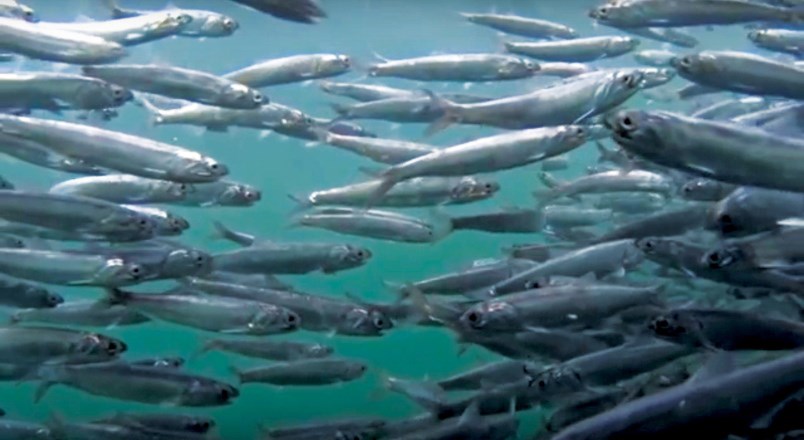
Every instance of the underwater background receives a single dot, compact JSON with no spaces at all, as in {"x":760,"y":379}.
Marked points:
{"x":281,"y":166}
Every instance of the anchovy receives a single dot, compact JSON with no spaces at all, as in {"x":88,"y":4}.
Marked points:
{"x":161,"y":422}
{"x":215,"y":314}
{"x":203,"y":24}
{"x":576,"y":50}
{"x":70,"y":269}
{"x":461,"y":68}
{"x":292,"y":258}
{"x":57,"y":91}
{"x":114,"y":150}
{"x":20,"y":37}
{"x":221,"y":193}
{"x":662,"y":224}
{"x":513,"y":220}
{"x":299,"y":11}
{"x":679,"y":13}
{"x":32,"y":345}
{"x":524,"y":26}
{"x":81,"y":314}
{"x":128,"y":31}
{"x":118,"y":380}
{"x":600,"y":259}
{"x":271,"y":350}
{"x":123,"y":188}
{"x":493,"y":153}
{"x":219,"y":119}
{"x":318,"y":313}
{"x":291,"y":69}
{"x":179,"y":83}
{"x":727,"y":330}
{"x":24,"y":295}
{"x":779,"y":40}
{"x":304,"y":372}
{"x":723,"y":151}
{"x":742,"y":72}
{"x":381,"y":225}
{"x":570,"y":102}
{"x":607,"y":182}
{"x":416,"y":192}
{"x":389,"y":151}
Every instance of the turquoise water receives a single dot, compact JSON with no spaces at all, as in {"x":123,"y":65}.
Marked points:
{"x":280,"y":166}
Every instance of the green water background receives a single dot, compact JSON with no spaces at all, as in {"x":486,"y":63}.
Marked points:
{"x":280,"y":166}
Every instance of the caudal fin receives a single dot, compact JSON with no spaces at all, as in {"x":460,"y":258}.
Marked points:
{"x":450,"y":113}
{"x":157,"y":115}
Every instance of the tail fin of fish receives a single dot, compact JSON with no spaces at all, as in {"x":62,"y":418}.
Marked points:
{"x":388,"y":179}
{"x":451,"y":113}
{"x":114,"y":296}
{"x":344,"y":111}
{"x":221,"y":231}
{"x":116,"y":11}
{"x":426,"y":394}
{"x":237,"y":372}
{"x":157,"y":116}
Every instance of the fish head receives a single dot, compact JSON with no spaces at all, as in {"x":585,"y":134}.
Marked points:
{"x":49,"y":299}
{"x":470,"y":189}
{"x":218,"y":25}
{"x":198,"y":424}
{"x":554,"y":381}
{"x":614,"y":14}
{"x":351,"y":256}
{"x":353,"y":370}
{"x":208,"y":393}
{"x":633,"y":130}
{"x":241,"y":96}
{"x":674,"y":325}
{"x":187,"y":262}
{"x":654,"y":77}
{"x":206,"y":169}
{"x":699,"y":189}
{"x":656,"y":247}
{"x":273,"y":319}
{"x":172,"y":225}
{"x":319,"y":350}
{"x":97,"y":345}
{"x":491,"y":316}
{"x":360,"y":321}
{"x":759,"y":36}
{"x":11,"y":241}
{"x":693,"y":65}
{"x":174,"y":190}
{"x":622,"y":43}
{"x":117,"y":272}
{"x":722,"y":257}
{"x":570,"y":136}
{"x":617,"y":88}
{"x":335,"y":64}
{"x":239,"y":195}
{"x":729,"y":216}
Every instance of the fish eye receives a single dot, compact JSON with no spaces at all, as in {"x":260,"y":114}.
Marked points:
{"x":379,"y":322}
{"x":345,"y":60}
{"x":359,"y":254}
{"x":224,"y":394}
{"x":533,"y":285}
{"x":627,"y":123}
{"x":200,"y":259}
{"x":686,"y":61}
{"x":54,"y":300}
{"x":661,"y":324}
{"x":214,"y":167}
{"x":183,"y":187}
{"x":687,"y":189}
{"x":714,"y":257}
{"x":135,"y":270}
{"x":542,"y":384}
{"x":725,"y":219}
{"x":291,"y":318}
{"x":143,"y":222}
{"x":473,"y":317}
{"x":257,"y":97}
{"x":117,"y":92}
{"x":228,"y":24}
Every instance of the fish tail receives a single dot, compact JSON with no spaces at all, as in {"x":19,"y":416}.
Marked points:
{"x":388,"y":179}
{"x":451,"y":113}
{"x":115,"y":296}
{"x":344,"y":111}
{"x":223,"y":232}
{"x":157,"y":116}
{"x":238,"y":373}
{"x":208,"y":345}
{"x":114,"y":8}
{"x":302,"y":203}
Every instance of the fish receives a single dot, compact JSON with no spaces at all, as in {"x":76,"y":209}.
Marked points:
{"x":296,"y":68}
{"x":271,"y":116}
{"x":58,"y":91}
{"x":309,"y":372}
{"x":779,"y":40}
{"x":34,"y":345}
{"x":270,"y":350}
{"x":575,"y":50}
{"x":737,"y":71}
{"x":27,"y":39}
{"x":666,"y":138}
{"x":87,"y":313}
{"x":302,"y":11}
{"x":128,"y":31}
{"x":23,"y":295}
{"x":180,"y":83}
{"x":202,"y":24}
{"x":458,"y":67}
{"x":214,"y":314}
{"x":220,"y":193}
{"x":523,"y":26}
{"x":416,"y":192}
{"x":380,"y":225}
{"x":123,"y":188}
{"x":118,"y":380}
{"x":679,"y":13}
{"x":113,"y":150}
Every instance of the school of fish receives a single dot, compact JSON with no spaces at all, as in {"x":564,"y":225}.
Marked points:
{"x":661,"y":296}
